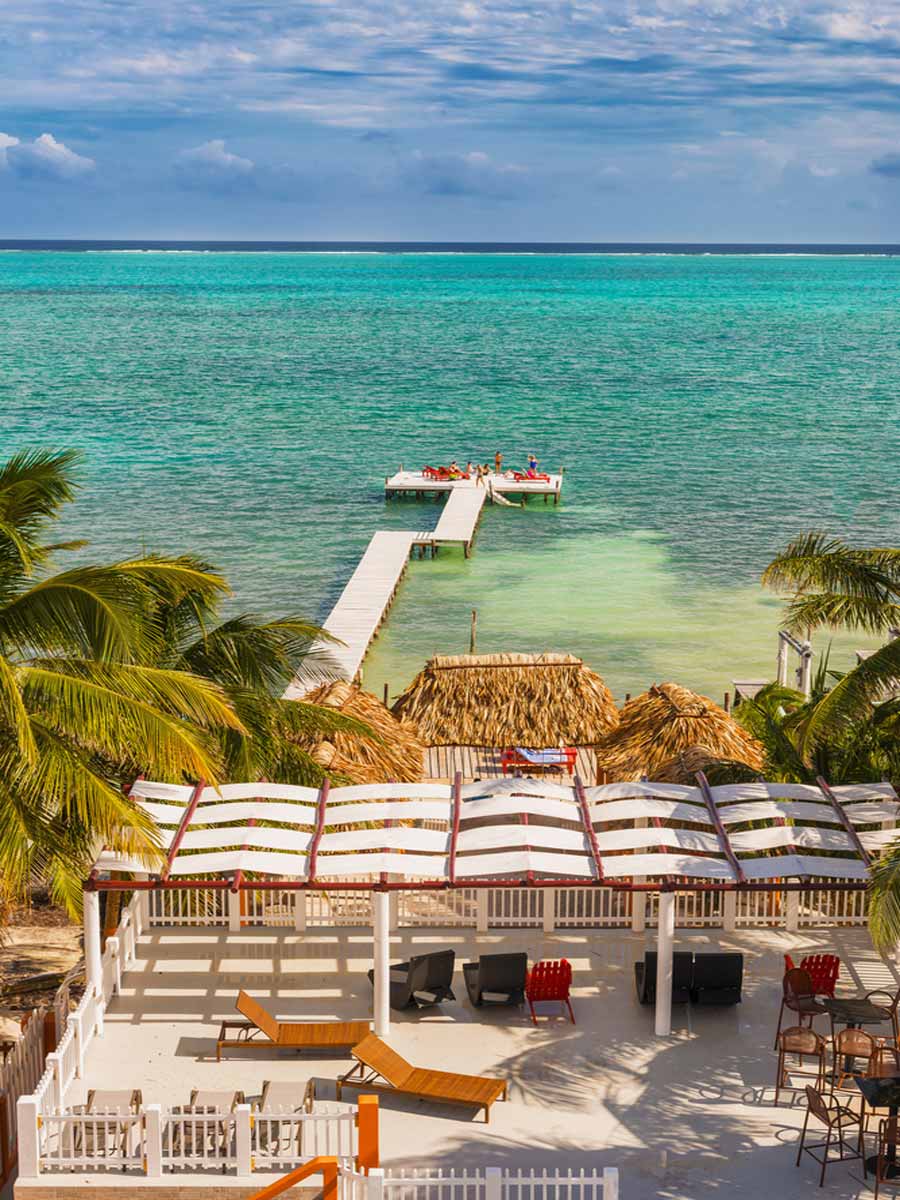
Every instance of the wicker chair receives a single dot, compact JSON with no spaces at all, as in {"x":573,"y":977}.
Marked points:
{"x":888,"y":1142}
{"x":800,"y":1043}
{"x":850,"y":1044}
{"x":797,"y":996}
{"x":839,"y":1120}
{"x":889,"y":1003}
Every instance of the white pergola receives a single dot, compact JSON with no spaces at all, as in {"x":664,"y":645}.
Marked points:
{"x":503,"y":833}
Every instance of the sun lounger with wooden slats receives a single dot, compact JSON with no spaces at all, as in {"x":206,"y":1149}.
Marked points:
{"x":444,"y":1087}
{"x":261,"y":1027}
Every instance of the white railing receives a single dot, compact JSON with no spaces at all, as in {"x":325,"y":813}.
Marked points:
{"x":153,"y":1141}
{"x":198,"y":1138}
{"x":583,"y":908}
{"x":189,"y":906}
{"x":84,"y":1140}
{"x":286,"y":1139}
{"x":438,"y":909}
{"x":19,"y":1075}
{"x":492,"y":1183}
{"x":501,"y":908}
{"x":515,"y":907}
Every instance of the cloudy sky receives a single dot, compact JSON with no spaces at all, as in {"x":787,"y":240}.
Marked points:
{"x":714,"y":120}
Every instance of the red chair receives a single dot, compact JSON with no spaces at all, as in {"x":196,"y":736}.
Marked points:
{"x":549,"y":980}
{"x":823,"y":970}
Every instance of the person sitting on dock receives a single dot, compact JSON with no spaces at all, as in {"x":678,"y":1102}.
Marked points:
{"x":455,"y":472}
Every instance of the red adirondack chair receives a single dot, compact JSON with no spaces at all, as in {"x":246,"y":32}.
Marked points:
{"x":550,"y":980}
{"x":823,"y":970}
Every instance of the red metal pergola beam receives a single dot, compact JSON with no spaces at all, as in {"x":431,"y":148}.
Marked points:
{"x":186,"y":817}
{"x":454,"y":826}
{"x":589,"y":827}
{"x":721,"y":833}
{"x":320,"y":829}
{"x":427,"y":885}
{"x":844,"y":819}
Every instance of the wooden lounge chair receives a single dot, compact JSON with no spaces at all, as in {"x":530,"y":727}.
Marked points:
{"x":261,"y":1027}
{"x":443,"y":1087}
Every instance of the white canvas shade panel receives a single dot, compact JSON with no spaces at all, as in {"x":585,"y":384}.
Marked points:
{"x":514,"y":828}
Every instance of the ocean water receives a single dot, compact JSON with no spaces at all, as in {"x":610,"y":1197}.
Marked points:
{"x":247,"y":406}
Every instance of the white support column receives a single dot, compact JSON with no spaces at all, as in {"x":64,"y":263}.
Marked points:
{"x":113,"y":949}
{"x":153,"y":1140}
{"x":27,"y":1134}
{"x":77,"y":1024}
{"x":549,"y":896}
{"x":493,"y":1183}
{"x":242,"y":1139}
{"x":54,"y":1062}
{"x":781,"y":663}
{"x":481,"y":912}
{"x":665,"y":940}
{"x":610,"y":1183}
{"x":143,"y":908}
{"x":792,"y":911}
{"x":93,"y":961}
{"x":234,"y":911}
{"x":300,"y":911}
{"x":806,"y":669}
{"x":729,"y":912}
{"x":381,"y":912}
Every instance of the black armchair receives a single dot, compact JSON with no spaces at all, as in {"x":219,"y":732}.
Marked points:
{"x":497,"y":979}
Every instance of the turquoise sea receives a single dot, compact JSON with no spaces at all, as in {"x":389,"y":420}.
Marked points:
{"x":247,"y":406}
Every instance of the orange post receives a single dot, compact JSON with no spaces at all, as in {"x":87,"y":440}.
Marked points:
{"x":367,"y":1125}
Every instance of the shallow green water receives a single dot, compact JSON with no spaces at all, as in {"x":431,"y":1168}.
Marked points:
{"x":248,"y":406}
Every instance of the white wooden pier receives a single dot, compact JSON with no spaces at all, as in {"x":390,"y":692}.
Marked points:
{"x":364,"y":603}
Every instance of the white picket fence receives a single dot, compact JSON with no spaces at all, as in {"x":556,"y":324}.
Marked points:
{"x":503,"y":908}
{"x":490,"y":1183}
{"x":154,"y":1141}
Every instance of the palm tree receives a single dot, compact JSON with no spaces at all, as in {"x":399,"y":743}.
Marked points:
{"x":832,"y":584}
{"x":252,"y":660}
{"x":83,"y":708}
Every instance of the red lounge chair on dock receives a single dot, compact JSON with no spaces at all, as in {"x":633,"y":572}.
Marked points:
{"x":517,"y":759}
{"x":524,"y":477}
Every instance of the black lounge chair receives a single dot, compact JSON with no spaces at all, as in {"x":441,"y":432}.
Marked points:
{"x":717,"y":978}
{"x":682,"y":970}
{"x":497,"y":979}
{"x":424,"y":980}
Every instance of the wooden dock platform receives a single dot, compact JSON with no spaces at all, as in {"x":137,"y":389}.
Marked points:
{"x":362,"y":606}
{"x":364,"y":603}
{"x":414,"y":483}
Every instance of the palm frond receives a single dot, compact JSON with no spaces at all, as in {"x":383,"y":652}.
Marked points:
{"x":132,"y":714}
{"x":34,"y":486}
{"x":854,"y":697}
{"x":840,"y":611}
{"x":13,"y":711}
{"x":248,"y":652}
{"x":884,"y":900}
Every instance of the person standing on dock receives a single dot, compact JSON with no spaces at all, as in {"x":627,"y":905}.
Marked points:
{"x":498,"y":463}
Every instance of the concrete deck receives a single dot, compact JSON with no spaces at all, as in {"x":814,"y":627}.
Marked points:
{"x":685,"y":1117}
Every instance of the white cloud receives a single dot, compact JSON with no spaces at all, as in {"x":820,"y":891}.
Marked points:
{"x":44,"y":157}
{"x":214,"y":158}
{"x":6,"y":140}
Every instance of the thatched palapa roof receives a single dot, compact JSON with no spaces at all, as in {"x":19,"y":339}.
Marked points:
{"x":398,"y":754}
{"x":683,"y":768}
{"x":499,"y":700}
{"x":668,"y":721}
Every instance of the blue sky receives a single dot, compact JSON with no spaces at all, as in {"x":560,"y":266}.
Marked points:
{"x":428,"y":119}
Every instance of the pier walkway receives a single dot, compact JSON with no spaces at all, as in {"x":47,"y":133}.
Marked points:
{"x":364,"y":603}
